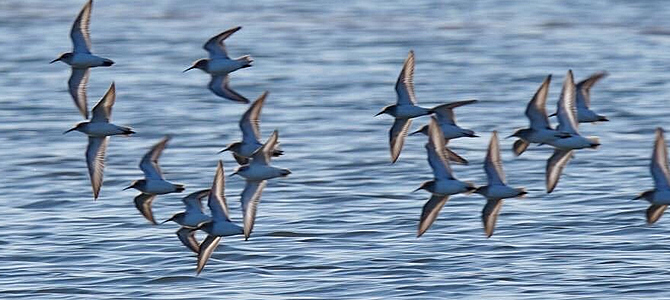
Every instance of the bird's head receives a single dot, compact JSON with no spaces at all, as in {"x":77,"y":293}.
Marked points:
{"x":199,"y":64}
{"x":66,"y":57}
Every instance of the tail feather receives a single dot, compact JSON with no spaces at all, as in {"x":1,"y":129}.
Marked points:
{"x":595,"y":142}
{"x":179,"y":188}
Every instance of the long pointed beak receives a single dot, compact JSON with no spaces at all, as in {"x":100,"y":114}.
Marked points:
{"x":379,"y":113}
{"x":71,"y":129}
{"x":233,"y":174}
{"x":510,"y":136}
{"x":417,"y":189}
{"x":168,"y":220}
{"x":413,"y":133}
{"x":224,"y":150}
{"x":130,"y":187}
{"x":55,"y":60}
{"x":191,"y":67}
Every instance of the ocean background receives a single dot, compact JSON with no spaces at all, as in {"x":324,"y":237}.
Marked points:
{"x":343,"y":224}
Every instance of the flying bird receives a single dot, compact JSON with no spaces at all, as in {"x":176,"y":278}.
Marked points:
{"x":153,"y":183}
{"x":444,"y":182}
{"x":219,"y":65}
{"x":251,"y":133}
{"x":497,"y":188}
{"x":567,"y":122}
{"x":220,"y":224}
{"x":659,"y":197}
{"x":405,"y":108}
{"x":191,"y":218}
{"x":98,"y":129}
{"x":81,"y":59}
{"x":540,"y":130}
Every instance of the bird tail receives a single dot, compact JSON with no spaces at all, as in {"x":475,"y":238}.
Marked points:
{"x":179,"y":188}
{"x":595,"y":142}
{"x":247,"y":59}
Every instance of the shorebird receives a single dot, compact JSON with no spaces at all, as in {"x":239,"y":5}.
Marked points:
{"x":447,"y":121}
{"x":251,"y":133}
{"x":584,"y":112}
{"x":259,"y":168}
{"x":220,"y":225}
{"x":540,"y":130}
{"x":405,"y":108}
{"x":192,"y":217}
{"x":567,"y":120}
{"x":219,"y":65}
{"x":98,"y":129}
{"x":256,"y":173}
{"x":444,"y":182}
{"x":497,"y":188}
{"x":659,"y":197}
{"x":153,"y":183}
{"x":81,"y":59}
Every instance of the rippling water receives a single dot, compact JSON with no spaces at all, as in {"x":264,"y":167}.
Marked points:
{"x":343,"y":224}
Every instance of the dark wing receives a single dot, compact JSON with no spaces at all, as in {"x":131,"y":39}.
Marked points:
{"x":206,"y":249}
{"x":95,"y":159}
{"x":536,"y":111}
{"x":250,"y":198}
{"x":102,"y":112}
{"x":187,"y":237}
{"x":404,"y":87}
{"x":81,"y":39}
{"x":219,"y":85}
{"x":436,"y":150}
{"x":143,"y":204}
{"x":77,"y":87}
{"x":249,"y":123}
{"x":263,"y":155}
{"x":193,"y":201}
{"x":584,"y":89}
{"x":490,"y":215}
{"x":493,"y":163}
{"x":215,"y":45}
{"x":567,"y":110}
{"x":445,"y":112}
{"x":654,"y":212}
{"x":520,"y":146}
{"x":430,"y":211}
{"x":555,"y":165}
{"x":397,"y":136}
{"x":659,"y":162}
{"x":217,"y":201}
{"x":149,"y":164}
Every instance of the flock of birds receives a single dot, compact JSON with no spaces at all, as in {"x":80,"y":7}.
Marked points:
{"x":254,"y":157}
{"x":573,"y":108}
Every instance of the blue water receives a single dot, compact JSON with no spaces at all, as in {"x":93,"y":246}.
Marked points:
{"x":343,"y":224}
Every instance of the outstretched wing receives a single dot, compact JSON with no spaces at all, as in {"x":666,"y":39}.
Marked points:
{"x":249,"y":123}
{"x":659,"y":161}
{"x":536,"y":111}
{"x":143,"y":204}
{"x":430,"y":211}
{"x":445,"y":112}
{"x":567,"y":110}
{"x":217,"y":201}
{"x":206,"y":249}
{"x":584,"y":89}
{"x":77,"y":87}
{"x":219,"y":85}
{"x":250,"y":198}
{"x":81,"y":39}
{"x":404,"y":87}
{"x":435,"y":148}
{"x":215,"y":45}
{"x":493,"y":163}
{"x":397,"y":136}
{"x":102,"y":112}
{"x":95,"y":159}
{"x":149,"y":164}
{"x":187,"y":237}
{"x":490,"y":215}
{"x":555,"y":165}
{"x":264,"y":153}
